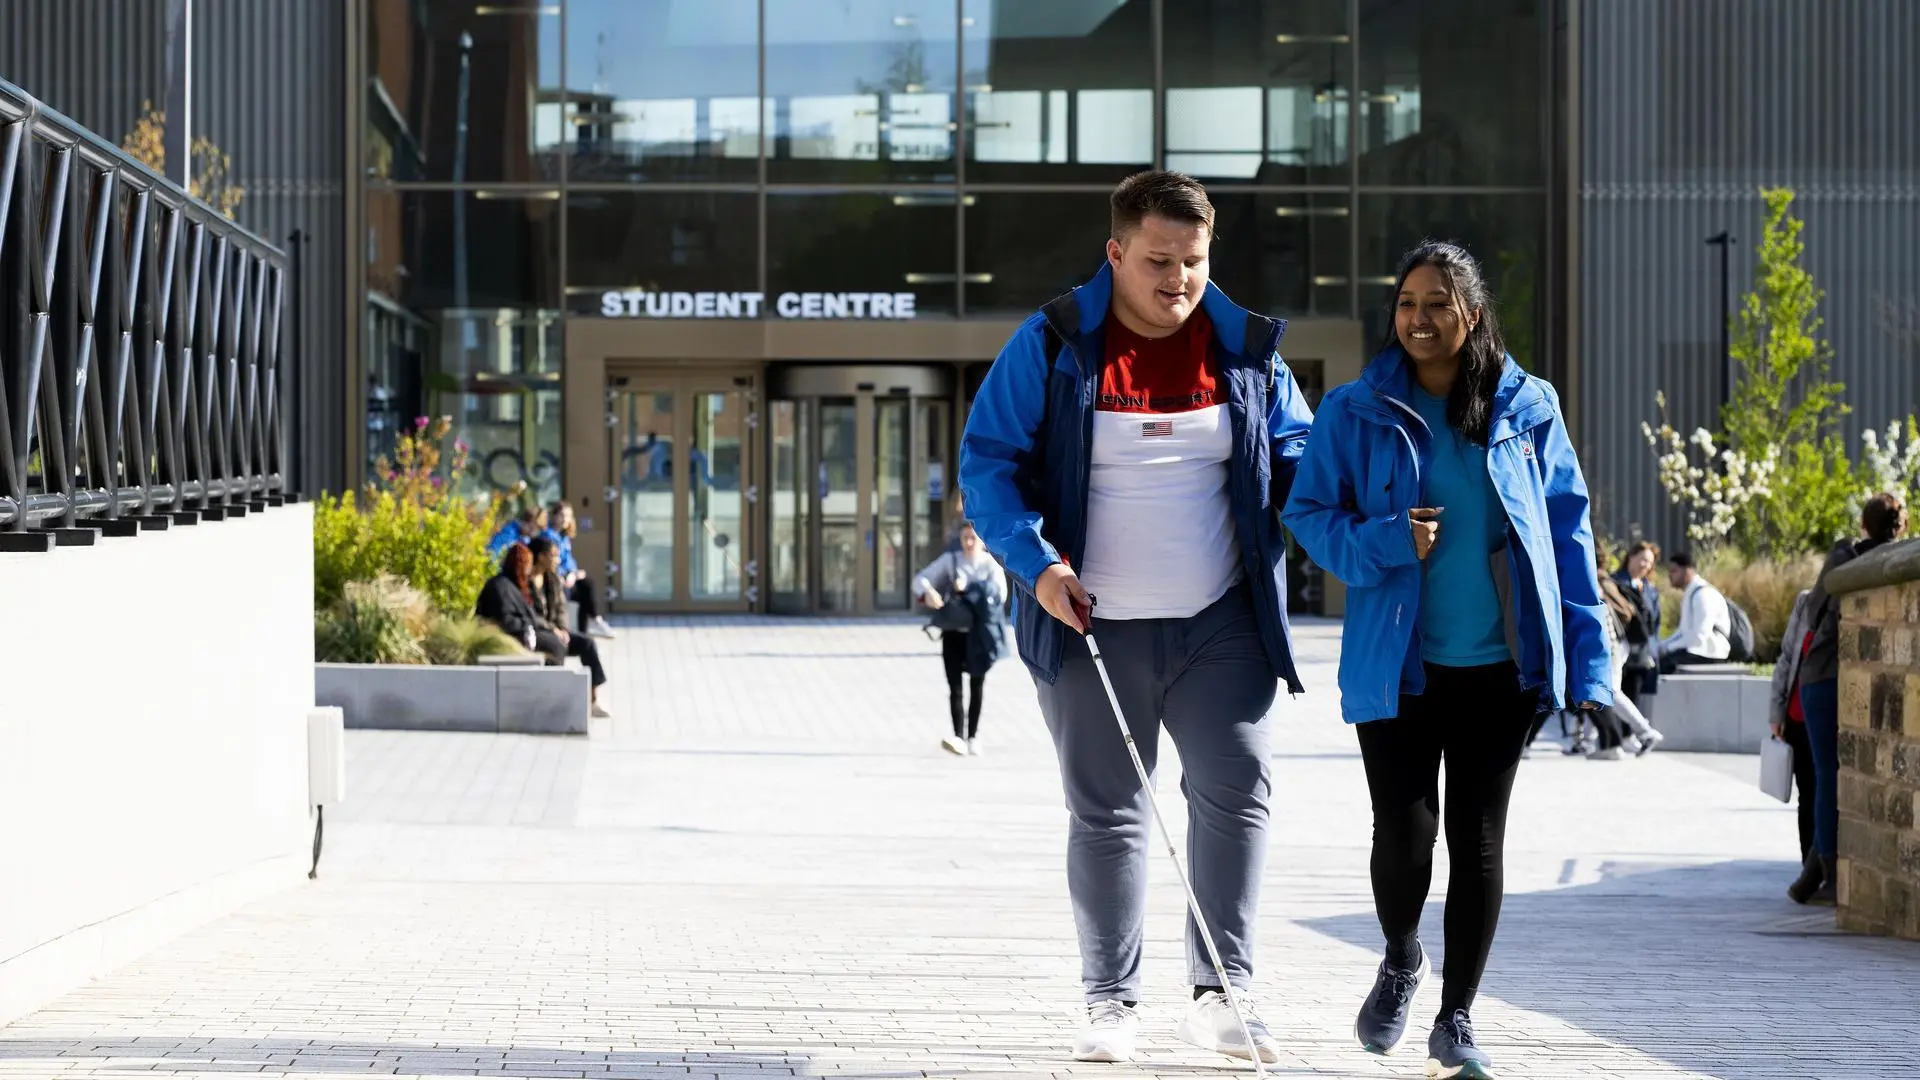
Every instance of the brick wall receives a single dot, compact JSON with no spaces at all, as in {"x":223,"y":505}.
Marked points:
{"x":1879,"y":888}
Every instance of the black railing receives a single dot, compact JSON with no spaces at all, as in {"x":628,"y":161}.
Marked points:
{"x":140,"y":340}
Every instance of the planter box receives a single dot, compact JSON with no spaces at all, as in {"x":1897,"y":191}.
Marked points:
{"x":1723,"y":713}
{"x":425,"y":697}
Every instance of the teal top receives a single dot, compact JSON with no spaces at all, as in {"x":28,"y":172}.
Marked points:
{"x":1461,"y":624}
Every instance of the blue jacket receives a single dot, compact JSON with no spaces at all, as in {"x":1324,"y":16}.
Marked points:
{"x":1362,"y":473}
{"x":508,"y":536}
{"x":1025,"y":459}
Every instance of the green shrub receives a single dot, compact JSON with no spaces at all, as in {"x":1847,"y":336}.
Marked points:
{"x":372,"y":623}
{"x":439,"y":550}
{"x":463,"y":640}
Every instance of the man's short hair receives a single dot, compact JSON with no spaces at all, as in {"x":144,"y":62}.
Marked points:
{"x":1881,"y":516}
{"x":1168,"y":194}
{"x":1682,"y":559}
{"x":539,"y":545}
{"x":532,"y":514}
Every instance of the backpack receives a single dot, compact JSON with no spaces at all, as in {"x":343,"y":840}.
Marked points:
{"x":1740,"y":636}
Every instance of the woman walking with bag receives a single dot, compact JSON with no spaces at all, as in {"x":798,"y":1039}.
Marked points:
{"x":967,"y":590}
{"x":1442,"y":489}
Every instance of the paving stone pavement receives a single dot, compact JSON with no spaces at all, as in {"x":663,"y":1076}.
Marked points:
{"x":765,"y":867}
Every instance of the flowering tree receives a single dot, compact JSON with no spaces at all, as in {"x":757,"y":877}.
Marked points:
{"x":1713,"y":483}
{"x":1890,"y":465}
{"x":207,"y":180}
{"x":1776,"y":481}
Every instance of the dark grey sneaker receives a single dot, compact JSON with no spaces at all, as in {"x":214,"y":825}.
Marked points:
{"x":1383,"y":1016}
{"x":1451,"y":1054}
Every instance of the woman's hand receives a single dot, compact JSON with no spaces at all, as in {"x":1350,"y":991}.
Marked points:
{"x":1426,"y":529}
{"x":1060,"y":592}
{"x":932,"y":600}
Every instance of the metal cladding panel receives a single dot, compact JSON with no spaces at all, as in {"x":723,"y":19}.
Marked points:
{"x":1687,"y":111}
{"x":94,"y":60}
{"x":269,"y":89}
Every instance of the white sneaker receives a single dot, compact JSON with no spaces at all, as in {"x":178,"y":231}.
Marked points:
{"x":597,"y":627}
{"x":1648,"y":741}
{"x":954,"y":746}
{"x":598,"y":712}
{"x":973,"y":748}
{"x":1210,"y":1025}
{"x":1109,"y":1032}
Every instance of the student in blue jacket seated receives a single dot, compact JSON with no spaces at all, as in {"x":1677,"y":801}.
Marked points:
{"x":1442,"y":489}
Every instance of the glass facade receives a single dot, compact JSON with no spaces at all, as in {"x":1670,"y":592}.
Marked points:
{"x":527,"y":160}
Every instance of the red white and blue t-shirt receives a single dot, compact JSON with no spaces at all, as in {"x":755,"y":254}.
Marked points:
{"x":1160,"y":537}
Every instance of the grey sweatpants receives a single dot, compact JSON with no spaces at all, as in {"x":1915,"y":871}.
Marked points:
{"x":1209,"y":680}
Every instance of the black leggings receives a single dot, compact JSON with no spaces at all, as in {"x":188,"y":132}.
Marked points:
{"x":1795,"y":736}
{"x":1477,"y":719}
{"x":953,"y":650}
{"x":579,"y":645}
{"x":584,"y":594}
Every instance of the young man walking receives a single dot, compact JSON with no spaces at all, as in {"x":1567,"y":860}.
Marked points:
{"x":1125,"y":458}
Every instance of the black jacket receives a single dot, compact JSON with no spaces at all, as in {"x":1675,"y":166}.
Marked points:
{"x":1823,"y":660}
{"x":1643,"y":632}
{"x":504,"y":605}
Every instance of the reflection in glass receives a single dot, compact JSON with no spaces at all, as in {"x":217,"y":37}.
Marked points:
{"x":1505,"y":233}
{"x":861,"y":89}
{"x":891,"y":556}
{"x":1258,"y":91}
{"x":836,"y":477}
{"x":716,"y":501}
{"x":863,"y":243}
{"x":932,"y":483}
{"x":459,"y":91}
{"x":1447,"y":106}
{"x":662,"y":90}
{"x":462,"y":322}
{"x":1024,"y":250}
{"x":642,"y":450}
{"x":1059,"y":91}
{"x":666,"y":242}
{"x":1283,"y":254}
{"x":793,"y":496}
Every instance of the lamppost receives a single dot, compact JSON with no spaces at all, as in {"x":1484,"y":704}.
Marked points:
{"x":1724,"y":241}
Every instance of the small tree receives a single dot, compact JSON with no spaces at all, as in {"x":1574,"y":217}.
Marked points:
{"x":207,"y":179}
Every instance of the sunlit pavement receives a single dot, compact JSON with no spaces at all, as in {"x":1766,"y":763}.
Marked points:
{"x":765,"y":866}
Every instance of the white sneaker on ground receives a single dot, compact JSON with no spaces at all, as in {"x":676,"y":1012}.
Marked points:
{"x":599,"y":712}
{"x":597,"y":627}
{"x":953,"y":745}
{"x":1648,"y":741}
{"x":973,"y":748}
{"x":1210,"y":1025}
{"x":1109,"y":1032}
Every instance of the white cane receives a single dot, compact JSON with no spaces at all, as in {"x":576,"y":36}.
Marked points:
{"x":1193,"y":902}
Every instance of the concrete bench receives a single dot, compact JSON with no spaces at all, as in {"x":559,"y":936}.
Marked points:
{"x":522,"y":659}
{"x":1721,"y":713}
{"x":425,"y":697}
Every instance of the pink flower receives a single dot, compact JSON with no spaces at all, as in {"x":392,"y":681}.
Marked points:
{"x":436,"y":481}
{"x":420,"y":423}
{"x":461,"y":445}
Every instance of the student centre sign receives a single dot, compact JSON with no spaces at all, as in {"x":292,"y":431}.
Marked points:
{"x":642,"y":303}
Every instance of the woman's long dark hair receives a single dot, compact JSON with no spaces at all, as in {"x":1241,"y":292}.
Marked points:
{"x":518,"y":566}
{"x":1470,"y":405}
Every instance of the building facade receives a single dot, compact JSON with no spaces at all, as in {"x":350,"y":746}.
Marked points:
{"x":726,"y":273}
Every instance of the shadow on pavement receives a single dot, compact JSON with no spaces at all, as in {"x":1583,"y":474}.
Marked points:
{"x":1709,"y":968}
{"x":165,"y":1055}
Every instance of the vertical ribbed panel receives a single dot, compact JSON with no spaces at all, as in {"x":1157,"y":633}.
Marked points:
{"x":1687,"y":110}
{"x":269,"y":90}
{"x":94,"y":60}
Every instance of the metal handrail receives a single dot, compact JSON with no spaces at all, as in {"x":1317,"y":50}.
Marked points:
{"x":140,"y":339}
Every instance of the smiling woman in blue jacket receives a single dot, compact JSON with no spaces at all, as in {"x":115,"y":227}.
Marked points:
{"x":1131,"y":444}
{"x":1442,"y":489}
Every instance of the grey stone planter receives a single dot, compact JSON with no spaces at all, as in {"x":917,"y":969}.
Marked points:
{"x":423,"y":697}
{"x":1719,"y":714}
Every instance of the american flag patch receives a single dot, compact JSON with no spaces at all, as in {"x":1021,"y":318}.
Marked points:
{"x":1153,"y":428}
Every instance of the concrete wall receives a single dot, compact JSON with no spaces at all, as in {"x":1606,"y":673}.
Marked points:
{"x":1879,"y":887}
{"x":152,"y":741}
